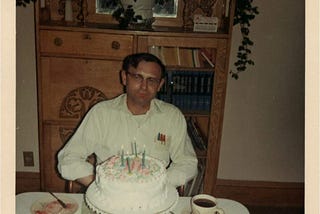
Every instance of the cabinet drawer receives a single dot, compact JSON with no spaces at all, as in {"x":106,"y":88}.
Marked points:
{"x":86,"y":44}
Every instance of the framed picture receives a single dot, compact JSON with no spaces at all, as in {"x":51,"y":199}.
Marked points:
{"x":161,"y":8}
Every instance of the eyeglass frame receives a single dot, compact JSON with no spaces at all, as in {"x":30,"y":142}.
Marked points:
{"x":139,"y":78}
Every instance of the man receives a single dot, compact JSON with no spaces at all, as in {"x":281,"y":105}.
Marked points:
{"x":133,"y":118}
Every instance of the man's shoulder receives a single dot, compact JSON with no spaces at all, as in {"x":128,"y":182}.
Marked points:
{"x":167,"y":107}
{"x":113,"y":103}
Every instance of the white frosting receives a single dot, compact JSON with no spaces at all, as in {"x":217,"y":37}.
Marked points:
{"x":117,"y":189}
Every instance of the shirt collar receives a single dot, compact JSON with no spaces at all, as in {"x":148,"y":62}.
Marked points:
{"x":155,"y":106}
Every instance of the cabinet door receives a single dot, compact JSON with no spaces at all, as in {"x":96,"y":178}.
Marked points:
{"x":55,"y":135}
{"x":69,"y":86}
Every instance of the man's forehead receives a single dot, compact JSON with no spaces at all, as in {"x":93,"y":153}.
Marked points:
{"x":141,"y":68}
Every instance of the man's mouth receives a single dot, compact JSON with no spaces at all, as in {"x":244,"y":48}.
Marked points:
{"x":142,"y":94}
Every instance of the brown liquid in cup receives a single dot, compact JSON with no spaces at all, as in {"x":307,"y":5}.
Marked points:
{"x":203,"y":202}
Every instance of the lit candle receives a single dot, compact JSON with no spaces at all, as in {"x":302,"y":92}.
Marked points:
{"x":128,"y":163}
{"x":132,"y":148}
{"x":135,"y":149}
{"x":122,"y":156}
{"x":144,"y":156}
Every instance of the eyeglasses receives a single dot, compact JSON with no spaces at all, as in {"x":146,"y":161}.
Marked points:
{"x":139,"y":79}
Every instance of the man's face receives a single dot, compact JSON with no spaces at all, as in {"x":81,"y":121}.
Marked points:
{"x":142,"y":83}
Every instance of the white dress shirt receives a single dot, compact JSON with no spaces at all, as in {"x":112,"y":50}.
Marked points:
{"x":109,"y":126}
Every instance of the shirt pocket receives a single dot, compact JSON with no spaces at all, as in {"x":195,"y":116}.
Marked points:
{"x":160,"y":151}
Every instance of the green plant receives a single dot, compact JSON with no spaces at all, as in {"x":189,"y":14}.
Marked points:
{"x":244,"y":13}
{"x":125,"y":16}
{"x":23,"y":2}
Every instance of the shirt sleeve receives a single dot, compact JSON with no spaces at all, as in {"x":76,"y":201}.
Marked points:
{"x":72,"y":159}
{"x":184,"y":163}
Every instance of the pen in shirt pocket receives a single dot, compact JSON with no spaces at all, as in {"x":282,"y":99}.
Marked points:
{"x":162,"y":138}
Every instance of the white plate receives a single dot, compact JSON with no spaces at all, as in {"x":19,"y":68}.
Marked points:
{"x":50,"y":205}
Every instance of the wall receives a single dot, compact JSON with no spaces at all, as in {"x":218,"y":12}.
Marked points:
{"x":263,"y":135}
{"x":26,"y":91}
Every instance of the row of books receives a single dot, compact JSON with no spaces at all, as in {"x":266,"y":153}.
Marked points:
{"x":199,"y":143}
{"x":198,"y":140}
{"x":188,"y":90}
{"x":185,"y":57}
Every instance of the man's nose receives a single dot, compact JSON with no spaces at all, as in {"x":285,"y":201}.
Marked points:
{"x":144,"y":83}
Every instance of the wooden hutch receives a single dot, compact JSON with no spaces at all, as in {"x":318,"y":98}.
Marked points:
{"x":78,"y":65}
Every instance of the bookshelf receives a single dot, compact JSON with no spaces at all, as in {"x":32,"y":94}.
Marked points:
{"x":189,"y":90}
{"x":80,"y":61}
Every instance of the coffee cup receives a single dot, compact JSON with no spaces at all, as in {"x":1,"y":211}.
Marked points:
{"x":205,"y":204}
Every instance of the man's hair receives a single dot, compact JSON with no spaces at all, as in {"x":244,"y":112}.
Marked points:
{"x":134,"y":59}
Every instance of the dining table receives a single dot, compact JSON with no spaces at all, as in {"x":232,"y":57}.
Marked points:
{"x":27,"y":200}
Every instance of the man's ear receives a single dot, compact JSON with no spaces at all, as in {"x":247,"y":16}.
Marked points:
{"x":123,"y":77}
{"x":161,"y":84}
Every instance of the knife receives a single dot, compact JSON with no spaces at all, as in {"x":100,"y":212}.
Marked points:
{"x":59,"y":201}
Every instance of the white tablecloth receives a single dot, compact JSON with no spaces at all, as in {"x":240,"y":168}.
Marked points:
{"x":24,"y":202}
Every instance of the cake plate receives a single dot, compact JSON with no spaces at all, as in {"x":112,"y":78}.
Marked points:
{"x":164,"y":208}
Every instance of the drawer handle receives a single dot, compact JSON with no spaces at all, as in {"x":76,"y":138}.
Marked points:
{"x":87,"y":36}
{"x":58,"y":41}
{"x":115,"y":45}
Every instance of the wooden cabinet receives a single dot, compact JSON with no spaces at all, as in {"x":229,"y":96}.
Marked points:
{"x":71,"y":78}
{"x":78,"y":66}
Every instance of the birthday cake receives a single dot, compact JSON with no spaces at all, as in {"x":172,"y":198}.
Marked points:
{"x":131,"y":184}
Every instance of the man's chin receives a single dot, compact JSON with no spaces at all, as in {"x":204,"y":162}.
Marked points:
{"x":143,"y":101}
{"x":144,"y":97}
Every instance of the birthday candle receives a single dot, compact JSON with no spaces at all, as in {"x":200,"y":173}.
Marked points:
{"x":128,"y":163}
{"x":122,"y":156}
{"x":143,"y":156}
{"x":135,"y":149}
{"x":132,"y":148}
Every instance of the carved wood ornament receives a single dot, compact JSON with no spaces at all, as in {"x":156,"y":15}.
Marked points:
{"x":191,"y":7}
{"x":79,"y":7}
{"x":78,"y":102}
{"x":65,"y":133}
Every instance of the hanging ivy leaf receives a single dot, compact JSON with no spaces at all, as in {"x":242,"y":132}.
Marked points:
{"x":23,"y":2}
{"x":244,"y":13}
{"x":125,"y":16}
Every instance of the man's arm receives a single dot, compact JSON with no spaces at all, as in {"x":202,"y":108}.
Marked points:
{"x":73,"y":161}
{"x":184,"y":166}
